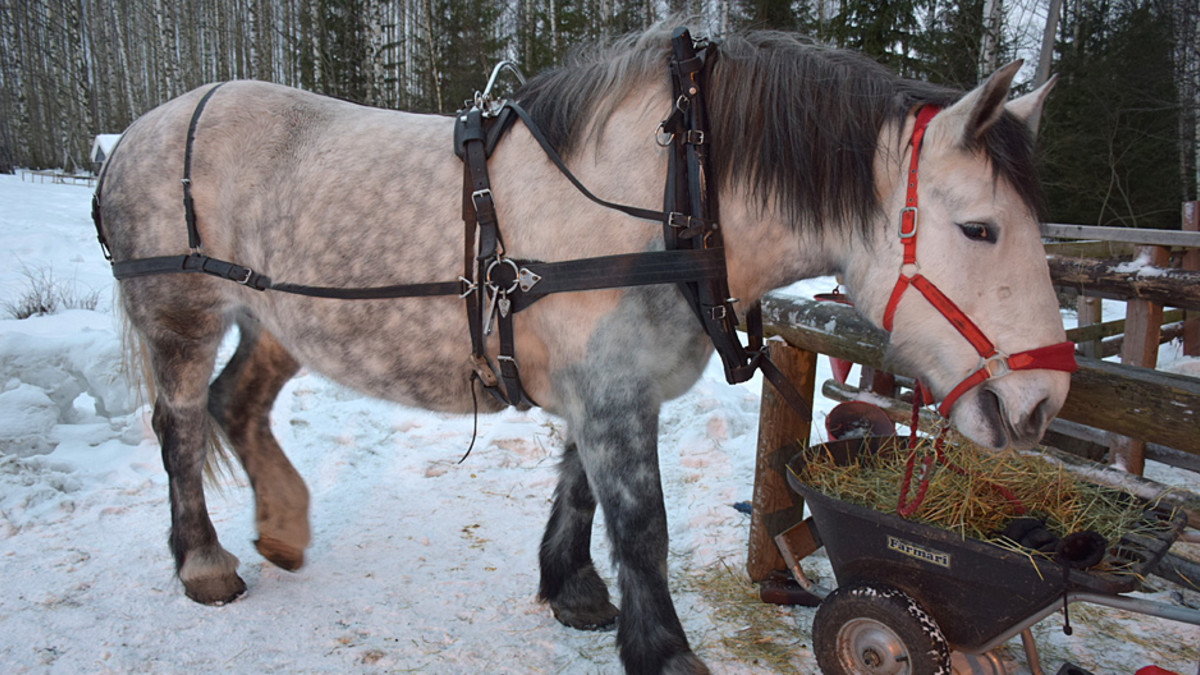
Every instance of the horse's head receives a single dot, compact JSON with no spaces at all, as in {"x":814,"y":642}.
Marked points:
{"x":973,"y":235}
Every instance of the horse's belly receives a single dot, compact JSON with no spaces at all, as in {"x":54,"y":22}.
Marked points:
{"x":412,"y":351}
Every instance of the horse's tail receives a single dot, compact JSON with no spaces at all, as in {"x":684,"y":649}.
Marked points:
{"x":218,"y":465}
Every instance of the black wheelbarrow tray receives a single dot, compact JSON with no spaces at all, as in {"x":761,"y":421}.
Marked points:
{"x":895,"y":576}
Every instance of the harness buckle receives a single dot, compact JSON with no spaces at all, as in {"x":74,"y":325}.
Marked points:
{"x":478,"y":195}
{"x":908,"y":222}
{"x":695,"y":137}
{"x":245,"y":279}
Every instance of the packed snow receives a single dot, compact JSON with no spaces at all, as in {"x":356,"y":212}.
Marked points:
{"x":418,"y":563}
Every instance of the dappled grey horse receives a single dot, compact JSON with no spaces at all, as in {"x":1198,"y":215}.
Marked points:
{"x":809,"y":149}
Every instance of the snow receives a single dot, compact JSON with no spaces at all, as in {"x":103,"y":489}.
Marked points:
{"x":103,"y":145}
{"x":418,"y":563}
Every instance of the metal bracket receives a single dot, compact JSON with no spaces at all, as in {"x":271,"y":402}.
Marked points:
{"x":527,"y":279}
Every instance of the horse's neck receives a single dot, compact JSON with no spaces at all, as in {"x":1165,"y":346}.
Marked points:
{"x":763,"y":252}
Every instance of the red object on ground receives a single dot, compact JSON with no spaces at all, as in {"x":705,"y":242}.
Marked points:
{"x":1155,"y":670}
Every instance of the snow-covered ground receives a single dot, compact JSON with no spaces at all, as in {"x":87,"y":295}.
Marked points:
{"x":418,"y":563}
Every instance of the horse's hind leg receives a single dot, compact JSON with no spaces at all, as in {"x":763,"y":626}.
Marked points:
{"x":240,"y":399}
{"x":182,"y":347}
{"x":569,"y":581}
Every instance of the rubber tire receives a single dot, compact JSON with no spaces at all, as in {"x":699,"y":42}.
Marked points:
{"x":874,"y":629}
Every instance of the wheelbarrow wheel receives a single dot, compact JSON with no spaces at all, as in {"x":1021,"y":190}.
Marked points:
{"x":874,"y":629}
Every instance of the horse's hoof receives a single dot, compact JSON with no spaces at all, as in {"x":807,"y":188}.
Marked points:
{"x":209,"y":576}
{"x":686,"y":663}
{"x":280,"y":554}
{"x":215,"y":590}
{"x":579,"y":618}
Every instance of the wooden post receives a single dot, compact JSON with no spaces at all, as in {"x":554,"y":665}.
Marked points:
{"x":780,"y":431}
{"x":1088,"y":313}
{"x":1191,"y":261}
{"x":1143,"y":319}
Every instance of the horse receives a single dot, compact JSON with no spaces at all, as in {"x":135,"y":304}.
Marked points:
{"x":810,"y":148}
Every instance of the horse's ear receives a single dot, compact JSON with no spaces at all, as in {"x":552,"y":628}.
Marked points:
{"x":1028,"y":108}
{"x":984,"y":104}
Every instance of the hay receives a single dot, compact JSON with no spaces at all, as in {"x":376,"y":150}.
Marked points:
{"x":747,"y":630}
{"x":970,"y":503}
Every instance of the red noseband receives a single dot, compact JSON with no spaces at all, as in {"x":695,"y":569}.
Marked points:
{"x":993,"y":363}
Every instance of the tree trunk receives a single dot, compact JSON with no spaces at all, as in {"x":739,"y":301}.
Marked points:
{"x":989,"y":43}
{"x":1046,"y":56}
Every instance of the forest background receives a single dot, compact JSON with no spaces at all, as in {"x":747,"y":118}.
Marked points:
{"x":1119,"y":142}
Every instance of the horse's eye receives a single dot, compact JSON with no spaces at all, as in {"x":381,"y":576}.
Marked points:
{"x":979,"y":232}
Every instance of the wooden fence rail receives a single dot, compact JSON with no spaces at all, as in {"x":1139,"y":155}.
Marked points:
{"x":1137,"y":402}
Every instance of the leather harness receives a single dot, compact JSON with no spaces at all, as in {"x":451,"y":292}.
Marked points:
{"x":496,"y":287}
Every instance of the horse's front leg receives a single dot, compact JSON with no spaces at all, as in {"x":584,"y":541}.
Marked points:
{"x":569,"y":582}
{"x":617,"y":439}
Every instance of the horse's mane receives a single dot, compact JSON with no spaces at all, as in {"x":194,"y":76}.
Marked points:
{"x":797,"y":120}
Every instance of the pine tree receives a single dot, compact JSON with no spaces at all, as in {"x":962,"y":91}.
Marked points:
{"x":1110,"y":129}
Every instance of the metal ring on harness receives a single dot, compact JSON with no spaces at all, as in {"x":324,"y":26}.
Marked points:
{"x":493,"y":285}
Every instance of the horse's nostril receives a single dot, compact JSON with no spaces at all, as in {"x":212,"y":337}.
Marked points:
{"x":1038,"y":418}
{"x":992,"y":409}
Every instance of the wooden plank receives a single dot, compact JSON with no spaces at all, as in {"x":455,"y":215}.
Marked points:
{"x":1113,"y":346}
{"x":1143,"y":320}
{"x":1138,"y":402}
{"x":1191,"y":261}
{"x":780,"y":431}
{"x":827,"y":328}
{"x":1099,"y":438}
{"x":1097,"y":331}
{"x":1131,"y":235}
{"x":1153,"y":405}
{"x":1123,"y":280}
{"x":1090,"y":249}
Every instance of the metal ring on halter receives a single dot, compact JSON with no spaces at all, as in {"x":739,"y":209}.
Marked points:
{"x":996,"y":365}
{"x":516,"y":275}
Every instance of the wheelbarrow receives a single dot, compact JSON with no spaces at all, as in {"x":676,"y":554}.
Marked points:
{"x":909,"y":594}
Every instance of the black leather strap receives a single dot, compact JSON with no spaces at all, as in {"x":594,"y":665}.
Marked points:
{"x":552,"y":154}
{"x":189,"y":210}
{"x":195,"y":262}
{"x":620,"y":271}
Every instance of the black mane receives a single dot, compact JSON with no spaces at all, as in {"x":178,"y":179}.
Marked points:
{"x":799,"y":122}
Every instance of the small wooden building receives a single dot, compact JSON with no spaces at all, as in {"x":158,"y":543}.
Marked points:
{"x":101,"y":148}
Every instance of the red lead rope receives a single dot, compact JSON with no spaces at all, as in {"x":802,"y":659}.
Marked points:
{"x":906,"y":508}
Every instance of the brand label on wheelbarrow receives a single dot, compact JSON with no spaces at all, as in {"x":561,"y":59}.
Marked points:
{"x":919,"y":552}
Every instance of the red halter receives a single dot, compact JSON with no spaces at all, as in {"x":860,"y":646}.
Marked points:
{"x":993,"y":363}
